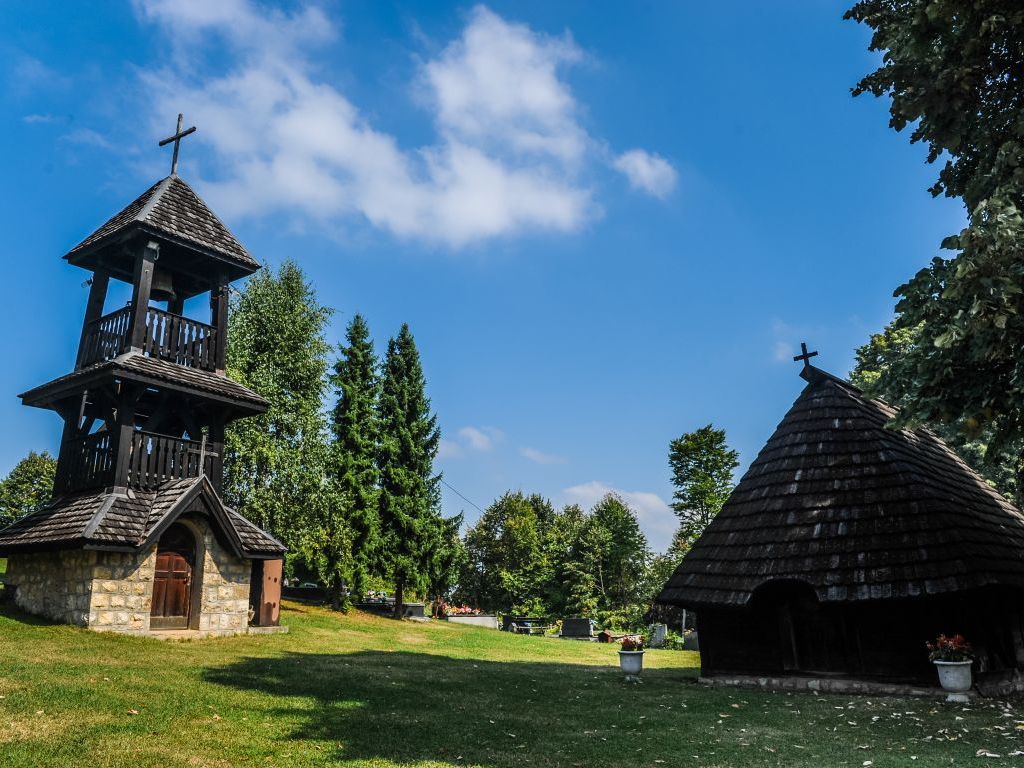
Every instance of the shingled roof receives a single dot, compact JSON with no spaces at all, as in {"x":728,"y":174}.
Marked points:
{"x":131,"y":521}
{"x":855,"y":510}
{"x":137,"y":366}
{"x":172,"y":209}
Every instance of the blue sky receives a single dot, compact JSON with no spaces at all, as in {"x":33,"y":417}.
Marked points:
{"x":606,"y":224}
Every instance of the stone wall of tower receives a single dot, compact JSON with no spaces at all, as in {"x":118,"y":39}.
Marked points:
{"x":113,"y":591}
{"x":224,"y":607}
{"x":54,"y":585}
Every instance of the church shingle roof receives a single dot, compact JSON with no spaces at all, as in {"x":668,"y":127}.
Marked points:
{"x":854,"y":509}
{"x":147,"y":369}
{"x":128,"y":520}
{"x":172,"y":209}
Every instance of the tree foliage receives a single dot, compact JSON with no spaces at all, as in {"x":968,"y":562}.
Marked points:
{"x":409,"y":496}
{"x":953,"y":72}
{"x":877,"y":361}
{"x":506,"y":560}
{"x":523,"y":556}
{"x":702,"y":473}
{"x":27,"y":487}
{"x":353,"y":466}
{"x":276,"y":346}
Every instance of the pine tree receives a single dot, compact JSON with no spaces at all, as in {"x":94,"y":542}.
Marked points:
{"x":409,"y":490}
{"x":276,"y":346}
{"x":354,"y":453}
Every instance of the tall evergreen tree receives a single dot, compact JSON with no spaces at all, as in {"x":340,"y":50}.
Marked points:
{"x":354,"y":453}
{"x":447,"y":559}
{"x":276,"y":346}
{"x":28,"y":486}
{"x":702,"y":466}
{"x":409,"y":490}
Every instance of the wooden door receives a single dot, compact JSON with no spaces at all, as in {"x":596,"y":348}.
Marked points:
{"x":172,"y":580}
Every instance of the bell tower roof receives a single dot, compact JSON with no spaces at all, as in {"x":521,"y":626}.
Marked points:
{"x":169,"y":211}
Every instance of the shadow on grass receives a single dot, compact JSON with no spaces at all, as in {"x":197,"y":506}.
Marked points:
{"x":10,"y":611}
{"x":407,"y":707}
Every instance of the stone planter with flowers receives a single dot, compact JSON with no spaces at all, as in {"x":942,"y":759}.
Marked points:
{"x":631,"y":657}
{"x":953,"y":657}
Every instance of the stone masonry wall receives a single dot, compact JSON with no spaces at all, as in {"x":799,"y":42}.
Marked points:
{"x":122,"y":591}
{"x":225,"y":598}
{"x":113,"y":591}
{"x":55,"y":585}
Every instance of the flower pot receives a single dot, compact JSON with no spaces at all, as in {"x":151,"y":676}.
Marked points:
{"x":955,"y":677}
{"x":632,"y":663}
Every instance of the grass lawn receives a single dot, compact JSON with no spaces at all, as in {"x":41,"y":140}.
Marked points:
{"x":362,"y":691}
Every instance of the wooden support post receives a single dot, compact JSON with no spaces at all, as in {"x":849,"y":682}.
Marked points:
{"x":176,"y":306}
{"x":215,"y":445}
{"x":219,"y":320}
{"x":142,"y":284}
{"x":124,"y":431}
{"x":93,"y":310}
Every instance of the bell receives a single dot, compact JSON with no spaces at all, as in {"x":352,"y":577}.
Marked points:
{"x":162,"y":288}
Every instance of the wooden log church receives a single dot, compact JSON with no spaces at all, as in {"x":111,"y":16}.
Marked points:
{"x":137,"y":538}
{"x":846,"y":546}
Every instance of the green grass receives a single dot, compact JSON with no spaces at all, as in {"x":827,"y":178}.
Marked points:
{"x":362,"y":691}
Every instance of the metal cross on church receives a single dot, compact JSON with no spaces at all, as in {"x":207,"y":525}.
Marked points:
{"x":805,"y":355}
{"x":176,"y":138}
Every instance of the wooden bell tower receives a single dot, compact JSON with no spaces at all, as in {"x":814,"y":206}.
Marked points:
{"x":148,"y":400}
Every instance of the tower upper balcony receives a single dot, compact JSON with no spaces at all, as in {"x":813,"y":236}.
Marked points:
{"x":167,"y":336}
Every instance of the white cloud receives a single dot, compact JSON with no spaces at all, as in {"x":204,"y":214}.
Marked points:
{"x":448,"y":449}
{"x":509,"y":157}
{"x":782,"y":352}
{"x":657,"y":520}
{"x":89,"y":137}
{"x":481,"y":438}
{"x":34,"y":119}
{"x":539,"y":457}
{"x":646,"y":172}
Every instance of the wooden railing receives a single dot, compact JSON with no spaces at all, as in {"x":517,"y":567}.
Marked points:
{"x":85,"y":462}
{"x":89,"y":462}
{"x":180,"y":340}
{"x":106,"y":338}
{"x":155,"y":459}
{"x":167,"y":336}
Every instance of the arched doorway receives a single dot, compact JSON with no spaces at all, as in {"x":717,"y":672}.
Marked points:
{"x":173,"y":579}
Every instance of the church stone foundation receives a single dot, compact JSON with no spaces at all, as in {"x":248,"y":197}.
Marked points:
{"x":113,"y":591}
{"x":224,"y":608}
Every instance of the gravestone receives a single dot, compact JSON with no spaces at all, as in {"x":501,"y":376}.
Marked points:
{"x":659,"y":633}
{"x":577,"y":628}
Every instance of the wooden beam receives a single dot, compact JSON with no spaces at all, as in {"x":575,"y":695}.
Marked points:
{"x":125,"y":427}
{"x":219,"y":319}
{"x":142,"y":284}
{"x":93,"y":309}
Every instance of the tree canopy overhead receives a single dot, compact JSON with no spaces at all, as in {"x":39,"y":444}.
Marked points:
{"x":953,"y":71}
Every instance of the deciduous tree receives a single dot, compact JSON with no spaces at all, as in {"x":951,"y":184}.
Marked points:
{"x":276,"y":346}
{"x":702,"y":473}
{"x":953,"y":73}
{"x":27,"y":487}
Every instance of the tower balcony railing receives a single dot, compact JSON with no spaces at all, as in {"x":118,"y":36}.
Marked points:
{"x":153,"y":459}
{"x":167,"y":337}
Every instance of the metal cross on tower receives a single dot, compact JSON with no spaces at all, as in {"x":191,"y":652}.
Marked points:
{"x":176,"y":138}
{"x":805,"y":355}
